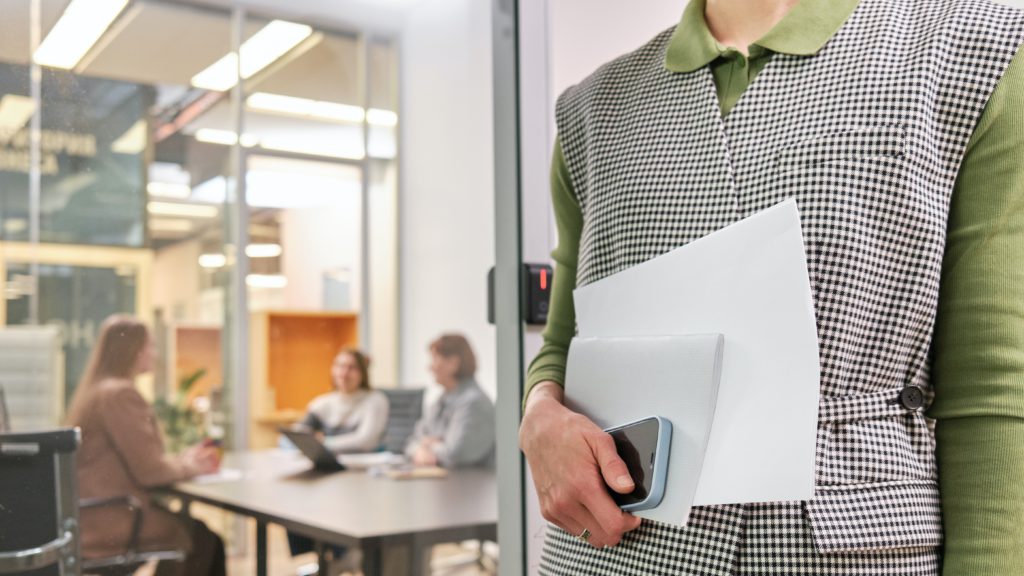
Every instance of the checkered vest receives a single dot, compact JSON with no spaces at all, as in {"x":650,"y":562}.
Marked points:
{"x":868,"y":136}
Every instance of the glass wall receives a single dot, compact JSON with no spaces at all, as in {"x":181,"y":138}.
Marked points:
{"x":120,"y":150}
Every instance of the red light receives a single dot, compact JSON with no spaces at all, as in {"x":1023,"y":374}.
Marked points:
{"x":543,"y":279}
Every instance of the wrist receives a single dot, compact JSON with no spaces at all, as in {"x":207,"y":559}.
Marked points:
{"x":543,"y":392}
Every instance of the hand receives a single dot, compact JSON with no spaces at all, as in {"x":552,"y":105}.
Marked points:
{"x":572,"y":460}
{"x":424,"y":455}
{"x":203,"y":458}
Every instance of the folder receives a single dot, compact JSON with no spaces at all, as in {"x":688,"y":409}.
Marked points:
{"x":617,"y":380}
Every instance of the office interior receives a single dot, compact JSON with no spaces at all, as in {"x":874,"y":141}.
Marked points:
{"x":349,"y":180}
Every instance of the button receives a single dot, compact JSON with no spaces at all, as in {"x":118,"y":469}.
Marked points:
{"x":912,"y":397}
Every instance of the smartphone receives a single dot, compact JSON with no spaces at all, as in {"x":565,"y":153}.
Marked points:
{"x":643,"y":445}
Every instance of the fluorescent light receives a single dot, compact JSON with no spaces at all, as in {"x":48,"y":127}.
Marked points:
{"x":320,"y":109}
{"x":170,"y":225}
{"x":266,"y":281}
{"x":15,"y":225}
{"x":213,"y":136}
{"x":81,"y":25}
{"x":169,"y":190}
{"x":385,"y":118}
{"x":182,"y":209}
{"x":212,"y":260}
{"x":354,"y":151}
{"x":277,"y":103}
{"x":263,"y":250}
{"x":15,"y":111}
{"x":225,"y":137}
{"x":261,"y":50}
{"x":133,"y":141}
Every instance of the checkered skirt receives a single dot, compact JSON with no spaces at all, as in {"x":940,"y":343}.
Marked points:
{"x":868,"y":136}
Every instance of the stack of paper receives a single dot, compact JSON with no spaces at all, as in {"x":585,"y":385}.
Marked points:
{"x":748,"y":282}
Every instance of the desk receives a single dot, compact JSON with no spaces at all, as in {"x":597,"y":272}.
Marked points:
{"x":403,"y":517}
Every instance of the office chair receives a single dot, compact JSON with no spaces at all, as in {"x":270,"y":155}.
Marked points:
{"x":5,"y":415}
{"x":38,"y":494}
{"x":132,"y":559}
{"x":405,"y":406}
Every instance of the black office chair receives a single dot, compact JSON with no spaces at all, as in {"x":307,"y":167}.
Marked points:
{"x":405,"y":409}
{"x":39,"y":495}
{"x":131,"y":559}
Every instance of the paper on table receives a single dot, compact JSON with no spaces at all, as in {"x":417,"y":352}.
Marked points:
{"x":368,"y":459}
{"x":222,"y":475}
{"x":748,"y":282}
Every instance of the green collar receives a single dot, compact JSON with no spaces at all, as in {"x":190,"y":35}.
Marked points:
{"x":803,"y":31}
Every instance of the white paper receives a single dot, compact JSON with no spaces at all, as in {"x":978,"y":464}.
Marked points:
{"x":369,"y":459}
{"x":748,"y":282}
{"x":220,"y":476}
{"x":681,"y":372}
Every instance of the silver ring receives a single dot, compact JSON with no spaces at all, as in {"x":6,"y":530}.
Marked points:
{"x":584,"y":536}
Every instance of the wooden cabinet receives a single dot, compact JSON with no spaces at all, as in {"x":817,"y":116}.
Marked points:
{"x":291,"y":354}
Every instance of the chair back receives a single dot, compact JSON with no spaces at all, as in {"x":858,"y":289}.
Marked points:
{"x":39,"y":495}
{"x":5,"y":415}
{"x":405,"y":409}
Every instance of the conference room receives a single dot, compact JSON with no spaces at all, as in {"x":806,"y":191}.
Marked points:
{"x":289,"y":288}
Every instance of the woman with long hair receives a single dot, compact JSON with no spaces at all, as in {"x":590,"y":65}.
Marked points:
{"x":122,"y":453}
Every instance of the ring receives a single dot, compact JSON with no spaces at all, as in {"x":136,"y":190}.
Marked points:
{"x":584,"y":536}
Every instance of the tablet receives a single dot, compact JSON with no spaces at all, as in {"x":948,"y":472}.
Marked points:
{"x":307,"y":443}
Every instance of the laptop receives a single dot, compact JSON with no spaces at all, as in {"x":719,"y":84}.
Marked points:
{"x":323,"y":459}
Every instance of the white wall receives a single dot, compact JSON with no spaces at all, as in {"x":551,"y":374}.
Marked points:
{"x":318,"y":240}
{"x":588,"y":33}
{"x":447,"y":195}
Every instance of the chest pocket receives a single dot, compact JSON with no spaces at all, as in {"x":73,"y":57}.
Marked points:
{"x":847,"y":144}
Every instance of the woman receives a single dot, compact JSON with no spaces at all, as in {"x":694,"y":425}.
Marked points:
{"x":896,"y":126}
{"x":457,"y":431}
{"x":353,"y":416}
{"x":122,"y":453}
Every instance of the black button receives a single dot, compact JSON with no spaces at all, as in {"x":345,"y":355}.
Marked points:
{"x":912,"y":397}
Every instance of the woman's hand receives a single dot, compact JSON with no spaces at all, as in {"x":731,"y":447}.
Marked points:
{"x":572,"y":460}
{"x":203,"y":458}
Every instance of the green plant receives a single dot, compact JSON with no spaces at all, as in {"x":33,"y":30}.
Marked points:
{"x":182,"y":426}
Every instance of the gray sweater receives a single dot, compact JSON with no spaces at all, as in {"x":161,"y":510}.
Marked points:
{"x":463,"y":419}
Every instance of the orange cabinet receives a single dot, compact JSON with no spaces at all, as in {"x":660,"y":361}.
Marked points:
{"x":290,"y":362}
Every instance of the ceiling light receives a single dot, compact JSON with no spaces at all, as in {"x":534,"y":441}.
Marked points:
{"x":214,"y":136}
{"x":182,"y":209}
{"x":133,"y":141}
{"x":78,"y":29}
{"x":169,"y":190}
{"x":170,"y":225}
{"x":15,"y":111}
{"x":225,"y":137}
{"x":263,"y":250}
{"x":261,"y":50}
{"x":212,"y":260}
{"x":277,"y":103}
{"x":266,"y":281}
{"x":354,"y":151}
{"x":385,"y":118}
{"x":15,"y":225}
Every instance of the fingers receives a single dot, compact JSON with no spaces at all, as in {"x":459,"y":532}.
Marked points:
{"x":613,"y":469}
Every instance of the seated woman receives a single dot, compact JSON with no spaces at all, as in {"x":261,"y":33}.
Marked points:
{"x":457,"y":431}
{"x":122,"y":453}
{"x":352,"y":418}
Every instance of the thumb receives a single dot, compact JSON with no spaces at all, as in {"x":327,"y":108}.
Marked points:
{"x":613,"y":469}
